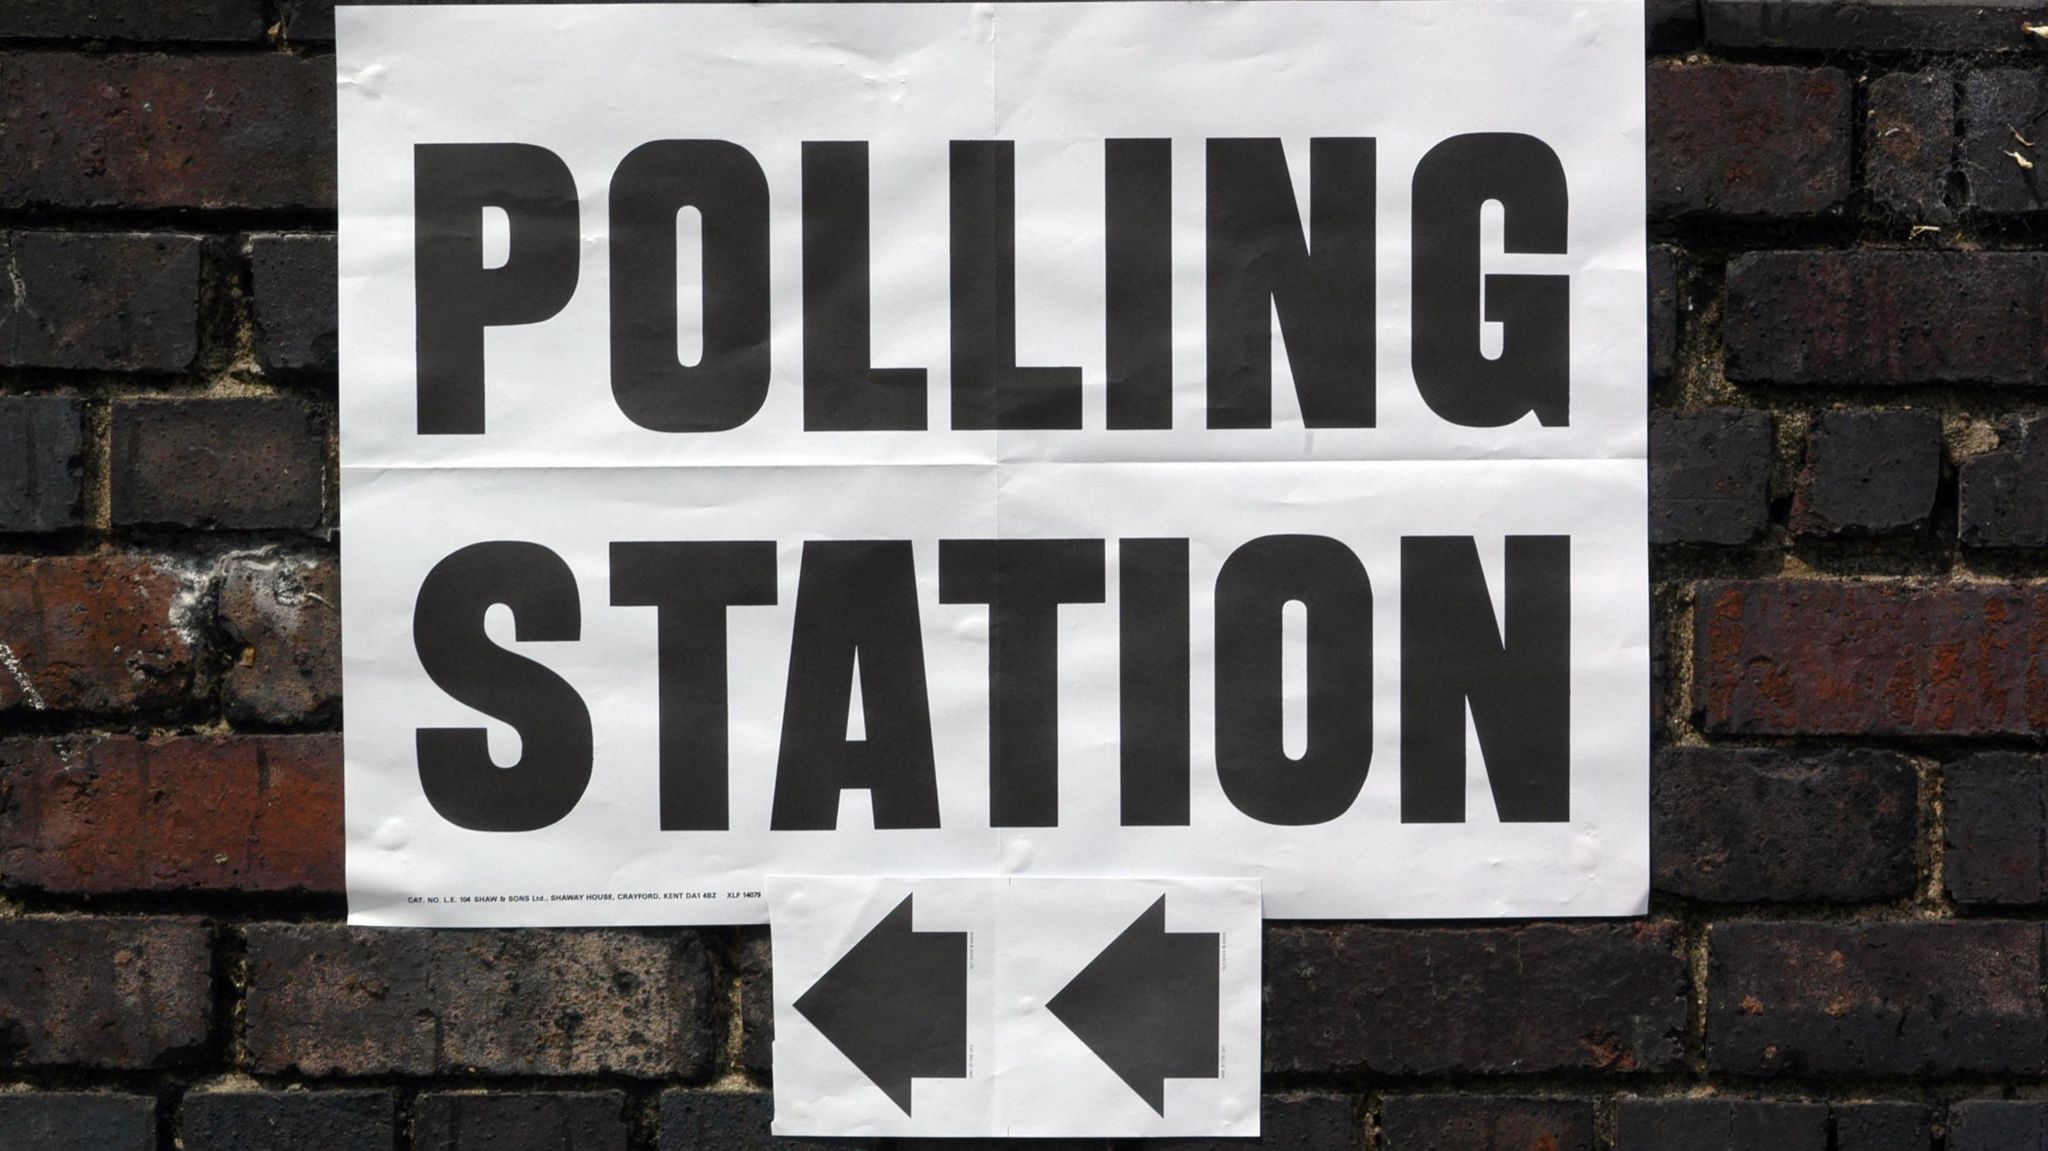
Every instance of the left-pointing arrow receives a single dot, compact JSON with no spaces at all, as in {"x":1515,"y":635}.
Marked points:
{"x":896,"y":1005}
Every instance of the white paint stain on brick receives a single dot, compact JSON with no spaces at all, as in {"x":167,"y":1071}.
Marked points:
{"x":29,"y":693}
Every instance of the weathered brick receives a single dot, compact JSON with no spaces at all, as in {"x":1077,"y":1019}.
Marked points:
{"x":155,"y":131}
{"x":1895,"y":998}
{"x":1910,"y":137}
{"x":736,"y":1121}
{"x":102,"y":992}
{"x":1288,"y":1123}
{"x":1666,"y":302}
{"x":1997,"y":1125}
{"x":1867,"y":25}
{"x":1995,"y":813}
{"x":1709,"y":477}
{"x":221,"y":21}
{"x":42,"y":470}
{"x":1883,"y":1127}
{"x":329,"y":1000}
{"x":1869,"y":473}
{"x":521,"y":1121}
{"x":100,"y":634}
{"x":232,"y":813}
{"x":1495,"y":1123}
{"x":282,"y":616}
{"x":2002,"y":494}
{"x":1542,"y":997}
{"x":295,"y":287}
{"x":1719,"y":1125}
{"x":219,"y":463}
{"x":757,"y":1003}
{"x":77,"y":1121}
{"x":1790,"y":159}
{"x":1886,"y":317}
{"x":1740,"y":825}
{"x":1849,"y":657}
{"x":2001,"y":117}
{"x":108,"y":301}
{"x":290,"y":1121}
{"x":1674,"y":25}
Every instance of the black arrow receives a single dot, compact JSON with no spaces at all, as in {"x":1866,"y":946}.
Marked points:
{"x":896,"y":1005}
{"x":1148,"y":1005}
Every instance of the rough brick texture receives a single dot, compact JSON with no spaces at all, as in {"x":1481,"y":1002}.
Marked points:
{"x":235,"y":813}
{"x":1883,"y":1127}
{"x":1719,"y":1125}
{"x":1434,"y":1001}
{"x":294,"y":280}
{"x":104,"y":992}
{"x":1997,"y":1125}
{"x":2003,"y":493}
{"x":1751,"y":825}
{"x":525,"y":1121}
{"x":1875,"y":999}
{"x":737,"y":1121}
{"x":281,"y":617}
{"x":1460,"y":1122}
{"x":1995,"y":820}
{"x":78,"y":1121}
{"x":1880,"y":317}
{"x":219,"y":463}
{"x":1790,"y":159}
{"x":192,"y":20}
{"x":331,"y":1000}
{"x":326,"y":1120}
{"x":1288,"y":1123}
{"x":1709,"y":477}
{"x":42,"y":465}
{"x":161,"y":131}
{"x":757,"y":1003}
{"x":1824,"y":657}
{"x":1667,"y":300}
{"x":1910,"y":151}
{"x":93,"y":634}
{"x":1869,"y":25}
{"x":2001,"y":114}
{"x":1869,"y":473}
{"x":101,"y":301}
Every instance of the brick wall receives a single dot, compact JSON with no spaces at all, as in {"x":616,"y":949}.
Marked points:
{"x":1849,"y":304}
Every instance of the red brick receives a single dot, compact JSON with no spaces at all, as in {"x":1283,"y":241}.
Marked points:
{"x":155,"y":131}
{"x":1850,"y":657}
{"x":281,"y":615}
{"x":120,"y":993}
{"x":1887,"y":317}
{"x":98,"y":634}
{"x":1747,"y":140}
{"x":330,"y":1000}
{"x":234,"y":813}
{"x":1896,"y":998}
{"x":1426,"y":1001}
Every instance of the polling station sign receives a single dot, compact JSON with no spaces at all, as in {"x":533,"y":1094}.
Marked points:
{"x":1045,"y":440}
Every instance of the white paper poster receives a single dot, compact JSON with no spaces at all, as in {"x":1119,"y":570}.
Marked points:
{"x":1016,"y":1007}
{"x":1023,"y":439}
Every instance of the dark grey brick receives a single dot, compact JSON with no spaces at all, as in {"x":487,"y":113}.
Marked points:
{"x":295,"y":286}
{"x":121,"y":993}
{"x":223,"y":21}
{"x":1869,"y":25}
{"x":219,"y":463}
{"x":2002,"y":494}
{"x":1492,"y":1122}
{"x":1790,"y":159}
{"x":2003,"y":124}
{"x":100,"y":301}
{"x":738,"y":1121}
{"x":1886,"y":998}
{"x":1666,"y":304}
{"x":1997,"y":1125}
{"x":1869,"y":473}
{"x":290,"y":1121}
{"x":1741,"y":825}
{"x":1709,"y":477}
{"x":1995,"y":819}
{"x":1719,"y":1125}
{"x":1909,"y":149}
{"x":1883,"y":1127}
{"x":1287,"y":1123}
{"x":42,"y":471}
{"x":77,"y":1121}
{"x":521,"y":1121}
